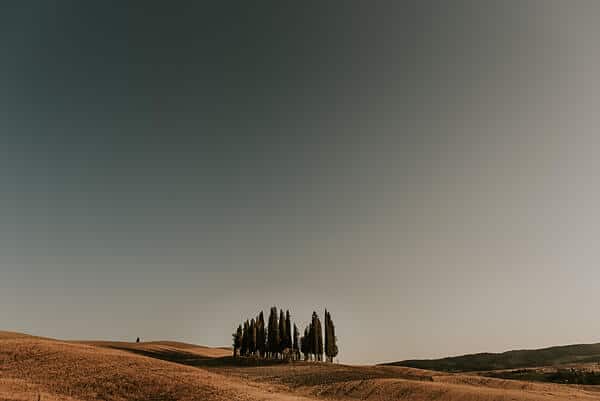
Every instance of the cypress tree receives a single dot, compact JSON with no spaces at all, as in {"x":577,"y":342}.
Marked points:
{"x":282,"y":333}
{"x":237,"y":340}
{"x":270,"y":333}
{"x":288,"y":330}
{"x":252,"y":345}
{"x":319,"y":340}
{"x":295,"y":344}
{"x":331,"y":348}
{"x":314,"y":336}
{"x":245,"y":338}
{"x":273,"y":334}
{"x":305,"y":343}
{"x":261,"y":335}
{"x":310,"y":346}
{"x":327,"y":335}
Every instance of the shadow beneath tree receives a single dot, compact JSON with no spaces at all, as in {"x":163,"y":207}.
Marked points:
{"x":195,"y":360}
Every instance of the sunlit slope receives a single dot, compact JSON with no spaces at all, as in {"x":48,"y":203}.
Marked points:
{"x":390,"y":389}
{"x":55,"y":370}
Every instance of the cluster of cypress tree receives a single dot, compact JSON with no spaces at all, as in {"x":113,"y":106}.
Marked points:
{"x":278,"y":341}
{"x":311,"y":343}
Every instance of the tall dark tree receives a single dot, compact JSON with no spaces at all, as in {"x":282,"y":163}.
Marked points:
{"x":282,"y":333}
{"x":317,"y":337}
{"x":313,"y":335}
{"x":311,"y":340}
{"x":331,"y":349}
{"x":295,"y":345}
{"x":261,"y":333}
{"x":237,"y":340}
{"x":319,"y":340}
{"x":252,"y":341}
{"x":273,"y":334}
{"x":327,"y":335}
{"x":305,"y":344}
{"x":245,"y":338}
{"x":288,"y":330}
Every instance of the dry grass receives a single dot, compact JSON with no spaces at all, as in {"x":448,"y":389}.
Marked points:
{"x":379,"y":383}
{"x":68,"y":371}
{"x":162,"y":347}
{"x":308,"y":374}
{"x":76,"y":371}
{"x":391,"y":389}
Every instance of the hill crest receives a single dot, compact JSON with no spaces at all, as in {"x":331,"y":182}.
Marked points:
{"x":514,"y":359}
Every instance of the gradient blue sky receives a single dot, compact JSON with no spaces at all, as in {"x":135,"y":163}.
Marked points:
{"x":425,"y":170}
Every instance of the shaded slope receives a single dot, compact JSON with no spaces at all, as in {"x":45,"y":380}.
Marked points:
{"x":164,"y":348}
{"x":182,"y":353}
{"x":583,"y":353}
{"x":308,"y":374}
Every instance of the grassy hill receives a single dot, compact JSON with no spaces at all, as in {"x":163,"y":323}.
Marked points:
{"x":580,"y":353}
{"x":35,"y":368}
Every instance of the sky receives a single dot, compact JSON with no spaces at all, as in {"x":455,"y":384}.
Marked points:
{"x":425,"y":170}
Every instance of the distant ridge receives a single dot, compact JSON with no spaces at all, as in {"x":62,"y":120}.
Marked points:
{"x":577,"y":353}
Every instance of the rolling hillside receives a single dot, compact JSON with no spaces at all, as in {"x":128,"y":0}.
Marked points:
{"x":34,"y":368}
{"x":581,"y":353}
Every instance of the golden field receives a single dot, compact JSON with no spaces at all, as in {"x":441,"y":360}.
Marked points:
{"x":34,"y":368}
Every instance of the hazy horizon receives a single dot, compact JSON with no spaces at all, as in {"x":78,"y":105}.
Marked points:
{"x":425,"y":170}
